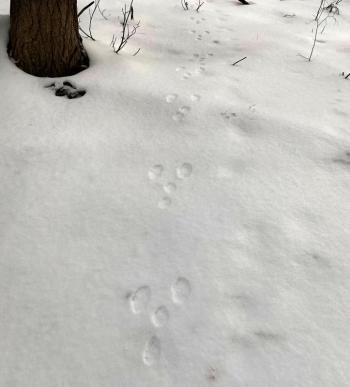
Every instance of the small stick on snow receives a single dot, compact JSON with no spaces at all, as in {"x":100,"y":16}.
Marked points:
{"x":136,"y":52}
{"x":347,"y":76}
{"x":239,"y":61}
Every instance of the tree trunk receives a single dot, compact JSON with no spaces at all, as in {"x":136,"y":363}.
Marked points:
{"x":44,"y":37}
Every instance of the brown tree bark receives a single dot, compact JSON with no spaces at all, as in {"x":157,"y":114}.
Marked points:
{"x":44,"y":37}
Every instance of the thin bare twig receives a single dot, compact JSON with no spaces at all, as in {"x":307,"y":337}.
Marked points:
{"x":102,"y":11}
{"x":240,"y":60}
{"x":126,"y":32}
{"x":91,"y":17}
{"x":200,"y":3}
{"x":330,"y":9}
{"x":92,"y":14}
{"x":85,"y":8}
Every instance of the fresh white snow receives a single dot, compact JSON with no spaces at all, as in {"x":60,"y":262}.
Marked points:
{"x":187,"y":222}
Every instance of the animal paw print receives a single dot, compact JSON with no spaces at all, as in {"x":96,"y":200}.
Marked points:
{"x":201,"y":69}
{"x":179,"y":116}
{"x":180,"y":290}
{"x":186,"y":75}
{"x":183,"y":110}
{"x":170,"y":98}
{"x":212,"y":374}
{"x":139,"y":303}
{"x":195,"y":97}
{"x":228,"y":115}
{"x":160,"y":316}
{"x":139,"y":300}
{"x":184,"y":171}
{"x":164,"y":203}
{"x":155,"y":174}
{"x":343,"y":159}
{"x":152,"y":351}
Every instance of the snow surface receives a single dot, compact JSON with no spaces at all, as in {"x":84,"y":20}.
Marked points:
{"x":185,"y":223}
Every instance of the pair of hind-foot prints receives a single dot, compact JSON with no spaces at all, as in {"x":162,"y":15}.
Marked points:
{"x":139,"y":302}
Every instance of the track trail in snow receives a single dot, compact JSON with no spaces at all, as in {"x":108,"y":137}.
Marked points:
{"x":169,"y":182}
{"x":140,"y":304}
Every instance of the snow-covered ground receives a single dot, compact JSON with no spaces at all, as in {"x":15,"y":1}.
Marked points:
{"x":187,"y":222}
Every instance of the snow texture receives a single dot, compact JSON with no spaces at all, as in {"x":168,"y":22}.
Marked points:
{"x":186,"y":223}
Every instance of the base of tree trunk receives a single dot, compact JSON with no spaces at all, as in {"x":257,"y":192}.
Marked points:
{"x":44,"y":38}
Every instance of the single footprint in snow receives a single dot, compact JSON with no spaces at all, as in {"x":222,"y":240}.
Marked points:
{"x":178,"y":117}
{"x":200,"y":70}
{"x":186,"y":75}
{"x":184,"y":171}
{"x":151,"y":352}
{"x":195,"y":97}
{"x":171,"y":98}
{"x":156,"y":171}
{"x":212,"y":374}
{"x":180,"y":290}
{"x":169,"y":188}
{"x":164,"y":203}
{"x":139,"y":299}
{"x":160,"y":317}
{"x":184,"y":109}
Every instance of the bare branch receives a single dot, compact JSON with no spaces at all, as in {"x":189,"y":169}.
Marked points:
{"x":325,"y":12}
{"x":200,"y":3}
{"x":85,"y":8}
{"x":127,"y":33}
{"x":91,"y":17}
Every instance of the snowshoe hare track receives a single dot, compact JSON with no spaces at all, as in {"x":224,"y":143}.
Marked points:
{"x":152,"y":351}
{"x":182,"y":172}
{"x":180,"y":290}
{"x":160,"y":317}
{"x":139,"y":301}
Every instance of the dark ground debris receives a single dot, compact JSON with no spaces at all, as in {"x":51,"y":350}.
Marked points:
{"x":67,"y":89}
